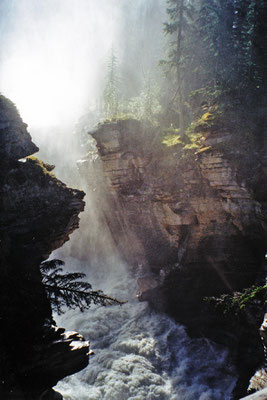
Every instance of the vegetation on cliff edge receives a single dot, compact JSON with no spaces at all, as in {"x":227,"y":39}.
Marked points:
{"x":70,"y":290}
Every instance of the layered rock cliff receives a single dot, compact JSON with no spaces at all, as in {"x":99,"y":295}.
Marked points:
{"x":192,"y":225}
{"x":37,"y":214}
{"x":195,"y":222}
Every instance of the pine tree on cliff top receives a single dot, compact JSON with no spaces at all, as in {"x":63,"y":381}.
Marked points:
{"x":179,"y":65}
{"x":111,"y":91}
{"x":176,"y":26}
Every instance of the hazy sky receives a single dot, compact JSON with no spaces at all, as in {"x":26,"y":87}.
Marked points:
{"x":51,"y":54}
{"x":54,"y":53}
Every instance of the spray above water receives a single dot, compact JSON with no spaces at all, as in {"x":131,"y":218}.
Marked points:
{"x":143,"y":355}
{"x":139,"y":354}
{"x":51,"y":55}
{"x":51,"y":59}
{"x":54,"y":53}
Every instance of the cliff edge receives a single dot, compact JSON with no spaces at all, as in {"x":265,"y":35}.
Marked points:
{"x":191,"y":224}
{"x":37,"y":214}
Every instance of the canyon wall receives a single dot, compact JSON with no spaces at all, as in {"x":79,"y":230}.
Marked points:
{"x":190,"y":224}
{"x":37,"y":214}
{"x":186,"y":224}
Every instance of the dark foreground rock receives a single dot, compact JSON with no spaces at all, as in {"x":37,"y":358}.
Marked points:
{"x":37,"y":214}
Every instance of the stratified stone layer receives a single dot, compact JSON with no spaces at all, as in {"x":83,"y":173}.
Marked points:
{"x":188,"y":225}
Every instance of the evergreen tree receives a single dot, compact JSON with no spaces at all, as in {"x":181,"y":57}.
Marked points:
{"x":259,"y":43}
{"x":176,"y":26}
{"x":233,"y":37}
{"x":146,"y":105}
{"x":111,"y":91}
{"x":215,"y":23}
{"x":149,"y":95}
{"x":242,"y":31}
{"x":219,"y":50}
{"x":180,"y":62}
{"x":68,"y":290}
{"x":259,"y":68}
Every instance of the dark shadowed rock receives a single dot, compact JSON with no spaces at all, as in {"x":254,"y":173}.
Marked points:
{"x":37,"y":214}
{"x":15,"y":140}
{"x":191,"y":226}
{"x":195,"y":223}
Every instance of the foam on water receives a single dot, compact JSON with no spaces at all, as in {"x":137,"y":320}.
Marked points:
{"x":140,"y":354}
{"x":53,"y":55}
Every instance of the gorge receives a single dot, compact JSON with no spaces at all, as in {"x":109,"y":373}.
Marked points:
{"x":38,"y":212}
{"x":141,"y":207}
{"x":142,"y":172}
{"x":152,"y":196}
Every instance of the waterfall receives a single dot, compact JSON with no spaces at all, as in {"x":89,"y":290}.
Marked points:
{"x":139,"y":354}
{"x":54,"y":58}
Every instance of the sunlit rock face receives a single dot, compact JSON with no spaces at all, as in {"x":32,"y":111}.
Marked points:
{"x":191,"y":226}
{"x":37,"y":214}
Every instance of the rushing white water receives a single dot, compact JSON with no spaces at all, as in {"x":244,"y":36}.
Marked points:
{"x":52,"y":64}
{"x":139,"y":354}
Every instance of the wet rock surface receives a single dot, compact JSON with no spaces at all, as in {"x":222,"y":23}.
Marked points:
{"x":194,"y":223}
{"x":37,"y":214}
{"x":261,"y":395}
{"x":191,"y":226}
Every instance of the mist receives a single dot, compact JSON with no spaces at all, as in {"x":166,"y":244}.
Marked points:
{"x":51,"y":56}
{"x":54,"y":53}
{"x":53,"y":64}
{"x":139,"y":354}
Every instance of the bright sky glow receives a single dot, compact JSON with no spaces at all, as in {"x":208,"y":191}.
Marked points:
{"x":52,"y":53}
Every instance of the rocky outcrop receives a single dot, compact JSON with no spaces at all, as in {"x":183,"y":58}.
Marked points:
{"x":37,"y":214}
{"x":191,"y":224}
{"x":54,"y":355}
{"x":15,"y":140}
{"x":259,"y":379}
{"x":261,"y":395}
{"x":186,"y":224}
{"x":59,"y":354}
{"x":29,"y":186}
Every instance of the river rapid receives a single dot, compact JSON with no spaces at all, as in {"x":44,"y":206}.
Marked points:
{"x":139,"y":354}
